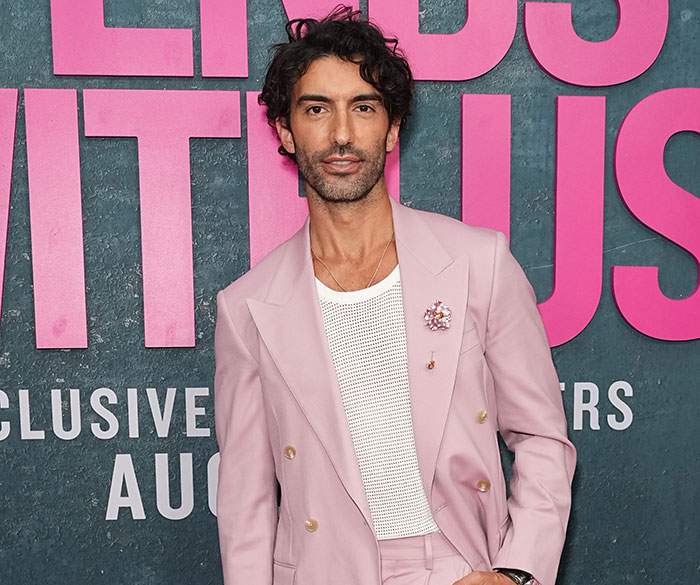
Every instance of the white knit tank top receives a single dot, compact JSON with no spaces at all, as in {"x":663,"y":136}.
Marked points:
{"x":367,"y":338}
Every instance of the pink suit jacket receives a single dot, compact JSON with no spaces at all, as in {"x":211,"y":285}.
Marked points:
{"x":276,"y":388}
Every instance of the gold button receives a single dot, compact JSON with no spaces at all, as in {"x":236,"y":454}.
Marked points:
{"x":311,"y":525}
{"x":290,"y":452}
{"x":430,"y":365}
{"x":482,"y":416}
{"x":482,"y":485}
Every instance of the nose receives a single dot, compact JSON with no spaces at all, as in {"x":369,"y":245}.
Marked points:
{"x":341,"y":130}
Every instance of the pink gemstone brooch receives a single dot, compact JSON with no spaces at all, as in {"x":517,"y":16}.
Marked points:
{"x":437,"y":316}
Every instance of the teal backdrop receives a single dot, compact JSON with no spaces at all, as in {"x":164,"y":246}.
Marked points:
{"x":636,"y":510}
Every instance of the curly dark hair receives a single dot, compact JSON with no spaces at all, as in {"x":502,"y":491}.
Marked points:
{"x":340,"y":34}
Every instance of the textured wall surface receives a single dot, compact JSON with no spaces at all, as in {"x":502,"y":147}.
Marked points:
{"x":635,"y":517}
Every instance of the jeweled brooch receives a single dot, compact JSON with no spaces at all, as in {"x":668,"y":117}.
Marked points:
{"x":437,"y":316}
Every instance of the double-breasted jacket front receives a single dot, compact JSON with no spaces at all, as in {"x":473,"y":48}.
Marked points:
{"x":280,"y":418}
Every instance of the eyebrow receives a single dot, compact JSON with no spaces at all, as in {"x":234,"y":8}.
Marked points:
{"x":368,"y":97}
{"x":364,"y":97}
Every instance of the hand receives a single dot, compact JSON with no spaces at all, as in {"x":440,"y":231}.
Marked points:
{"x":484,"y":578}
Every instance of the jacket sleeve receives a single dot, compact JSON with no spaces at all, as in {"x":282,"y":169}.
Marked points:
{"x":531,"y":421}
{"x":247,"y":493}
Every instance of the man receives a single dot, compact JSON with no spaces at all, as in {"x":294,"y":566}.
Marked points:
{"x":367,"y":363}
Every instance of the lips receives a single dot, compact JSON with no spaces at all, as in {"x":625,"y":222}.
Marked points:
{"x":345,"y":164}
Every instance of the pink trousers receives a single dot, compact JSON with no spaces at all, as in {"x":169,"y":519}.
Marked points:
{"x":421,"y":560}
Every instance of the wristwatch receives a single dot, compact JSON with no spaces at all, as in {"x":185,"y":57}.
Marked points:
{"x":518,"y":576}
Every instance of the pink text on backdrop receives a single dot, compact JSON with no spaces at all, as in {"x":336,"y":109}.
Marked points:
{"x":224,"y":32}
{"x":55,"y":210}
{"x":165,"y":200}
{"x":486,"y":135}
{"x":637,"y":42}
{"x":477,"y":48}
{"x":275,"y":210}
{"x":163,"y":122}
{"x":660,"y":204}
{"x":274,"y":207}
{"x":83,"y":45}
{"x":578,"y":218}
{"x":8,"y":118}
{"x":314,"y":8}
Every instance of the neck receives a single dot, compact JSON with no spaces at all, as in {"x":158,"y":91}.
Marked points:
{"x":350,"y":231}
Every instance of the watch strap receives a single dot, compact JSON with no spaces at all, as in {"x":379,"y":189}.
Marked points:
{"x":518,"y":576}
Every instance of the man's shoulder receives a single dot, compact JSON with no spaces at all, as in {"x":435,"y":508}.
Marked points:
{"x":255,"y":282}
{"x":457,"y":236}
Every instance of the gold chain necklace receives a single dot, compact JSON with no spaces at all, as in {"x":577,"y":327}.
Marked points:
{"x":375,"y":270}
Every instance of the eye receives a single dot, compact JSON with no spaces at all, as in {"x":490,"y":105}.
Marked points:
{"x":365,"y":108}
{"x":314,"y":109}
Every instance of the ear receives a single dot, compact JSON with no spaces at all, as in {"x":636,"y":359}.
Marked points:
{"x":285,"y":134}
{"x":392,"y":136}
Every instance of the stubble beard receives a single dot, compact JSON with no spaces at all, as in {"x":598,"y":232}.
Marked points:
{"x":339,"y":188}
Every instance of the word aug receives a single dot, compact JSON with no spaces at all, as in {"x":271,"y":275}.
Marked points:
{"x":124,"y":491}
{"x":155,"y":119}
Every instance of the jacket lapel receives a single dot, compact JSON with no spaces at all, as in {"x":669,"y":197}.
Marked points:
{"x":290,"y":324}
{"x":429,"y":273}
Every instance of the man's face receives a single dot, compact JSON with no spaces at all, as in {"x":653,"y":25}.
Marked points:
{"x":339,"y":131}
